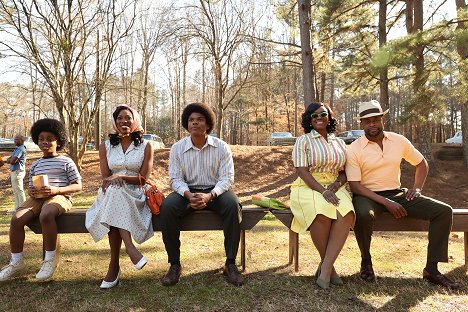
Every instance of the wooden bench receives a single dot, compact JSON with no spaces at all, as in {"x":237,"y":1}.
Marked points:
{"x":201,"y":220}
{"x":385,"y":222}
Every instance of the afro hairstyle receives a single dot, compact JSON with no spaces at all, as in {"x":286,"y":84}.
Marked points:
{"x":50,"y":125}
{"x":203,"y":109}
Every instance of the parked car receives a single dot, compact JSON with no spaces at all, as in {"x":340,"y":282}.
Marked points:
{"x":154,"y":140}
{"x":281,"y":138}
{"x":89,"y":145}
{"x":457,"y":138}
{"x":30,"y":145}
{"x":9,"y":145}
{"x":350,"y":136}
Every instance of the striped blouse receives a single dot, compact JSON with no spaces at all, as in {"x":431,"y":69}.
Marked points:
{"x":314,"y":152}
{"x":208,"y":167}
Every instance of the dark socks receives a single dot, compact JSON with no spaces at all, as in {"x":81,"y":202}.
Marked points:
{"x":230,"y":261}
{"x":431,"y":267}
{"x":175,"y":262}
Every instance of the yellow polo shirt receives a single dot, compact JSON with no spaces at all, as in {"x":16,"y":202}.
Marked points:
{"x":377,"y":169}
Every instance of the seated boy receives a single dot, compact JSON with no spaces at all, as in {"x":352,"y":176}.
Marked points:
{"x":60,"y":178}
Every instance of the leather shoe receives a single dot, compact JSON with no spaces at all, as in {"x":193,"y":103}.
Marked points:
{"x":233,"y":275}
{"x":367,"y":273}
{"x":172,"y":276}
{"x":440,"y":279}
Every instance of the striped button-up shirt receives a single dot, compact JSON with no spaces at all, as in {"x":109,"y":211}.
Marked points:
{"x":208,"y":167}
{"x":314,"y":152}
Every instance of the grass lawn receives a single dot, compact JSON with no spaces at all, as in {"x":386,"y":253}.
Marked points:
{"x":271,"y":285}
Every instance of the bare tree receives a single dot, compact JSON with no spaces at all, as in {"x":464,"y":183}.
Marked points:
{"x":61,"y":41}
{"x":153,"y":30}
{"x":224,"y":29}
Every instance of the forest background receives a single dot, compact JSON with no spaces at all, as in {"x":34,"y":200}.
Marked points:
{"x":250,"y":60}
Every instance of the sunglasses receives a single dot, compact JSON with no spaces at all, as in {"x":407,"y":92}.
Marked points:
{"x":322,"y":115}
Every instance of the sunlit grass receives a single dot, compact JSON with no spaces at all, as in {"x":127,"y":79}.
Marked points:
{"x":271,"y":285}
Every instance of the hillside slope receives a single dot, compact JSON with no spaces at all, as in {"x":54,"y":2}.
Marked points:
{"x":268,"y":171}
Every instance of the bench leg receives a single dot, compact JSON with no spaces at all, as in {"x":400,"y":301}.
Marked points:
{"x":466,"y":250}
{"x":296,"y":253}
{"x":294,"y":249}
{"x":242,"y":238}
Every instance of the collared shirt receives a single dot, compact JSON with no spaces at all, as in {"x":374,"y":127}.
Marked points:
{"x":208,"y":167}
{"x":20,"y":153}
{"x":377,"y":169}
{"x":319,"y":155}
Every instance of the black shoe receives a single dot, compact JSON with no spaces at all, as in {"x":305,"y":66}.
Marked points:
{"x":172,"y":276}
{"x":440,"y":279}
{"x":233,"y":275}
{"x":367,"y":273}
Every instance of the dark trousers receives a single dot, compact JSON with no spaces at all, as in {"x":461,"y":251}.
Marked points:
{"x":175,"y":207}
{"x":438,"y":213}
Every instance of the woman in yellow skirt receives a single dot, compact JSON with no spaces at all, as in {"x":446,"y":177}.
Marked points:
{"x":319,"y":198}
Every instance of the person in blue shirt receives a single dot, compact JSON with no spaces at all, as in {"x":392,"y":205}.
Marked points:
{"x":17,"y":162}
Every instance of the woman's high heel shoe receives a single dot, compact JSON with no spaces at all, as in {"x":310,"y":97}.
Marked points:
{"x":140,"y":264}
{"x":108,"y":285}
{"x":337,"y":281}
{"x":319,"y":269}
{"x":322,"y":284}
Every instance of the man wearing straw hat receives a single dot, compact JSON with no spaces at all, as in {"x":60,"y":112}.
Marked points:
{"x":373,"y":172}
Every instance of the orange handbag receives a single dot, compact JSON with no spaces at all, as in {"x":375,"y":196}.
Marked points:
{"x":154,"y":197}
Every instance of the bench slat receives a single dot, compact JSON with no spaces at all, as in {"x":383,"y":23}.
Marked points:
{"x":202,"y":220}
{"x":384,"y":222}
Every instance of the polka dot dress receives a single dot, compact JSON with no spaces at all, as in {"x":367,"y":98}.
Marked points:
{"x":121,"y":207}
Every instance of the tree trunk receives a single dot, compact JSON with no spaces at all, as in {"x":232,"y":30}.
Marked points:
{"x":462,"y":48}
{"x":323,"y":78}
{"x":383,"y":82}
{"x":304,"y":7}
{"x":219,"y":99}
{"x":421,"y":97}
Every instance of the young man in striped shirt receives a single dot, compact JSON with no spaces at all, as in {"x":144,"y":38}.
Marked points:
{"x":201,"y":172}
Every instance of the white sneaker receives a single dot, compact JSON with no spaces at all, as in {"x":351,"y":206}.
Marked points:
{"x":47,"y":270}
{"x":9,"y":270}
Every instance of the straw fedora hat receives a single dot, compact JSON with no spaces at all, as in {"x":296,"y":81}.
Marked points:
{"x":370,"y":109}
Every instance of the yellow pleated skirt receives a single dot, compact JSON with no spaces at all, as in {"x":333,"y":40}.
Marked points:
{"x":306,"y":203}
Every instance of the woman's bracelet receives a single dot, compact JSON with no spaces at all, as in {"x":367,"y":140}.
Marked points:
{"x":324,"y":192}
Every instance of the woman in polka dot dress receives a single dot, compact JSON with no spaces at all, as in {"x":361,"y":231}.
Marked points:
{"x":120,"y":210}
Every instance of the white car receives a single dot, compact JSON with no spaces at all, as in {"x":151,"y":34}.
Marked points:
{"x":154,"y":140}
{"x":9,"y":145}
{"x":281,"y":138}
{"x":30,"y":145}
{"x":457,"y":138}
